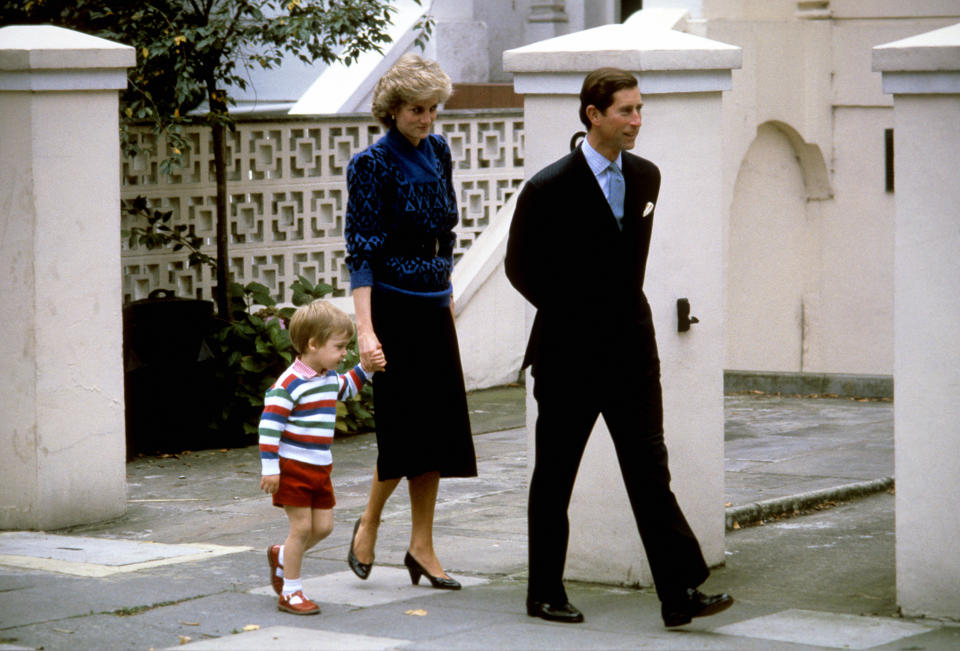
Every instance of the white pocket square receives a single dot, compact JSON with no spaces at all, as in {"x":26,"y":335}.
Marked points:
{"x":647,"y":209}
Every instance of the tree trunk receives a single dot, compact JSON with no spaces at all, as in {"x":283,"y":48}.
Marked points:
{"x":223,"y":219}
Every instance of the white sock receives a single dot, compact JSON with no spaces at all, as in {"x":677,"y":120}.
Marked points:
{"x":291,"y":585}
{"x":280,"y":558}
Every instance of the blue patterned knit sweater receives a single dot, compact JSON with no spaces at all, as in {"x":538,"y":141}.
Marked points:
{"x":399,"y":194}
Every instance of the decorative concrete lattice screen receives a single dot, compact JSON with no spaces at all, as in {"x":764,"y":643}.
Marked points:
{"x":286,"y":184}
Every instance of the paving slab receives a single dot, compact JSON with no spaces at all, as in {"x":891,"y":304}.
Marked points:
{"x":97,"y":557}
{"x":385,"y":585}
{"x":280,"y":638}
{"x":834,"y":569}
{"x":832,"y":630}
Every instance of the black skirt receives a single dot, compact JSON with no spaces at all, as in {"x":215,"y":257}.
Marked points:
{"x":420,"y":403}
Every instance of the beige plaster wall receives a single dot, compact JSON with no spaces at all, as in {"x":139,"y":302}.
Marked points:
{"x":489,"y":312}
{"x":62,"y":392}
{"x":928,"y":358}
{"x":829,"y":297}
{"x":682,"y":135}
{"x":79,"y":325}
{"x":18,"y":434}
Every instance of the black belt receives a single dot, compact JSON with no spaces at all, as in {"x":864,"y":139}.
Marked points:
{"x":412,"y":247}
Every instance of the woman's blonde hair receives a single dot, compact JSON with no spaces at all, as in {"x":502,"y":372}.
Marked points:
{"x":318,"y":320}
{"x":411,"y":79}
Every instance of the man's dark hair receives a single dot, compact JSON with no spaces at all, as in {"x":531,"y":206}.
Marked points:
{"x":599,"y":87}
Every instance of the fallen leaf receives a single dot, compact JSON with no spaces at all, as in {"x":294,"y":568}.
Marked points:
{"x":61,"y":630}
{"x":184,"y":639}
{"x":419,"y":612}
{"x":736,"y":525}
{"x":190,"y":623}
{"x":729,"y":504}
{"x":251,"y":627}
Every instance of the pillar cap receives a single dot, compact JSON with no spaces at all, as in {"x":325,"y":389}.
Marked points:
{"x":45,"y":47}
{"x":935,"y":51}
{"x":638,"y":46}
{"x":927,"y":63}
{"x":48,"y":58}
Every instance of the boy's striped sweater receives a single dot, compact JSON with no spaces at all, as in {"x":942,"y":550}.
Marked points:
{"x":300,"y":412}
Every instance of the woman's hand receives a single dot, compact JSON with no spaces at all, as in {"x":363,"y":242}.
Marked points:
{"x":378,"y":362}
{"x":371,"y":352}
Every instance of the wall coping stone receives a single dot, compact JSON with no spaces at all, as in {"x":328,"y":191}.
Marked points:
{"x":665,"y":60}
{"x":925,"y":64}
{"x":638,"y":46}
{"x":48,"y":58}
{"x":935,"y":51}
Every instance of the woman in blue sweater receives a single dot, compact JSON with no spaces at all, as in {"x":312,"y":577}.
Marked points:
{"x":401,"y":212}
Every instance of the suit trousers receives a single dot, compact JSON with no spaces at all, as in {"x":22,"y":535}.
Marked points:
{"x":632,"y":408}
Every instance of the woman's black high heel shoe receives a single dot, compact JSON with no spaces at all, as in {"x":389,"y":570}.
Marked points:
{"x":416,"y":571}
{"x":360,"y":569}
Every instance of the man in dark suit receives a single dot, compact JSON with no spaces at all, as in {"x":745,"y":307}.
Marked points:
{"x":577,"y":251}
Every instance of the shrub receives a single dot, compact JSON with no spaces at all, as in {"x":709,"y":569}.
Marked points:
{"x":255,"y":348}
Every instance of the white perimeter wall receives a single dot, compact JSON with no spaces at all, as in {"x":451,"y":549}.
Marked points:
{"x":61,"y":390}
{"x":809,"y":235}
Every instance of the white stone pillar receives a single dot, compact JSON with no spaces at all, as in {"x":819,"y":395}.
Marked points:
{"x":923,"y":75}
{"x":681,"y":78}
{"x":61,"y":390}
{"x":459,"y":42}
{"x":546,"y":20}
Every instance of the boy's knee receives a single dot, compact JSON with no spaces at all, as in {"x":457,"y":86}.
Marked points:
{"x":301,"y":534}
{"x":321,"y":530}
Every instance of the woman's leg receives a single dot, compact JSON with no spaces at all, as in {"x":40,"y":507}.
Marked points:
{"x":423,"y":501}
{"x":366,"y":539}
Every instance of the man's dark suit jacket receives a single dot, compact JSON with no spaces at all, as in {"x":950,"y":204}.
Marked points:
{"x":568,"y":257}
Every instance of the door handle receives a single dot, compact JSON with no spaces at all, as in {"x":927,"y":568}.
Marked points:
{"x":684,"y":320}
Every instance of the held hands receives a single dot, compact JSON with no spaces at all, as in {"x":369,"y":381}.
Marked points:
{"x":378,"y":361}
{"x":371,"y":352}
{"x":270,"y":483}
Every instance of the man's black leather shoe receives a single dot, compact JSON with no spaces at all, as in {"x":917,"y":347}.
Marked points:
{"x":693,"y":604}
{"x":562,"y":613}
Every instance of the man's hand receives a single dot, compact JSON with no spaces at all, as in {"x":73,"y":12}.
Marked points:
{"x":270,"y":483}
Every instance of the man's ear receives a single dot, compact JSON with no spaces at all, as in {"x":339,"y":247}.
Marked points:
{"x":593,"y":114}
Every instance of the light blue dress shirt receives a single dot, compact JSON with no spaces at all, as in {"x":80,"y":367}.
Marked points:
{"x":600,"y":166}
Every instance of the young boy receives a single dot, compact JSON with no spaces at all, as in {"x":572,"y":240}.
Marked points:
{"x":296,"y":430}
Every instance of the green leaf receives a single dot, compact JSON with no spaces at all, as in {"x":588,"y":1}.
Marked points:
{"x":253,"y":365}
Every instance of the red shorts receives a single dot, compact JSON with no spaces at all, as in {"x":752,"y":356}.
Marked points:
{"x":302,"y":484}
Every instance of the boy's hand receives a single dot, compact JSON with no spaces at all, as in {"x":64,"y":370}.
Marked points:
{"x":270,"y":483}
{"x":378,"y":360}
{"x":368,"y":346}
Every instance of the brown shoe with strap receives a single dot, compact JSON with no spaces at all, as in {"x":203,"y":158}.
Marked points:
{"x":276,"y":569}
{"x":297,"y":604}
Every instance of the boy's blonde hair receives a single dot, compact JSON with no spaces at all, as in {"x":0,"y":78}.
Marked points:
{"x":318,"y":320}
{"x":411,"y":79}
